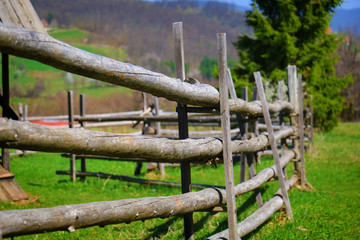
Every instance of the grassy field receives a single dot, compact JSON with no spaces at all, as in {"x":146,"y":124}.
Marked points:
{"x":330,"y":212}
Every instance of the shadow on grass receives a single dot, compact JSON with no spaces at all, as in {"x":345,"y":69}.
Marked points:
{"x":161,"y":229}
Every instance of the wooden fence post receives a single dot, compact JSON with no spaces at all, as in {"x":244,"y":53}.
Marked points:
{"x":281,"y":119}
{"x":82,"y":124}
{"x":183,"y":123}
{"x":293,"y":87}
{"x":158,"y":132}
{"x":71,"y":125}
{"x":244,"y":96}
{"x":273,"y":143}
{"x":225,"y":125}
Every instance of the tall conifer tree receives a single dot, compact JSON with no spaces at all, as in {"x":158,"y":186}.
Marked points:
{"x":296,"y":32}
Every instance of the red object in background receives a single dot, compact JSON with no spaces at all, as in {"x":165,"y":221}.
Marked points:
{"x":51,"y":123}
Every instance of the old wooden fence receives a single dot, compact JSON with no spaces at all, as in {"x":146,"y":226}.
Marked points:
{"x":203,"y":98}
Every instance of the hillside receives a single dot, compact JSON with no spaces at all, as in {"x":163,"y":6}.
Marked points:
{"x":144,"y":29}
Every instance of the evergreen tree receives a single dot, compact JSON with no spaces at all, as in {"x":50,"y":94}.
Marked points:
{"x":296,"y":32}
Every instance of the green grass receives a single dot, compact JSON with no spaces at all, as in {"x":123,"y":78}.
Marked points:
{"x":330,"y":212}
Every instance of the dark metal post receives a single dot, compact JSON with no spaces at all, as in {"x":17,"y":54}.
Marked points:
{"x":183,"y":124}
{"x":71,"y":125}
{"x":82,"y":124}
{"x":5,"y":104}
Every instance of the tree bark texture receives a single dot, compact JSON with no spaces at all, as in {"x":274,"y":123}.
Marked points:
{"x":28,"y":136}
{"x":30,"y":221}
{"x":43,"y":48}
{"x":260,"y":216}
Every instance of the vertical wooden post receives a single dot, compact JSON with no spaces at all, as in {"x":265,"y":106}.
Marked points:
{"x":294,"y":100}
{"x":158,"y":132}
{"x":273,"y":143}
{"x":183,"y":123}
{"x":281,"y":119}
{"x":71,"y":125}
{"x":26,"y":112}
{"x":5,"y":104}
{"x":301,"y":132}
{"x":25,"y":117}
{"x":82,"y":124}
{"x":312,"y":122}
{"x":244,"y":96}
{"x":226,"y":136}
{"x":21,"y":111}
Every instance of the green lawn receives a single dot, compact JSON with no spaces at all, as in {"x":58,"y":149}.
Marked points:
{"x":330,"y":212}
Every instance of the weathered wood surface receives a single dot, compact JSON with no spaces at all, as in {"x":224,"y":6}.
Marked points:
{"x":273,"y":144}
{"x":226,"y":136}
{"x":45,"y":49}
{"x":28,"y":136}
{"x":20,"y":13}
{"x":30,"y":221}
{"x":260,"y":216}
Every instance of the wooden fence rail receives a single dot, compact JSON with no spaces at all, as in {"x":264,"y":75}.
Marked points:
{"x":43,"y":48}
{"x":28,"y":136}
{"x":30,"y":221}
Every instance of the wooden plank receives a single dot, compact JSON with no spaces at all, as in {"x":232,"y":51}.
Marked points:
{"x":183,"y":123}
{"x":243,"y":137}
{"x":301,"y":133}
{"x":29,"y":136}
{"x":293,"y":87}
{"x":122,"y":211}
{"x":273,"y":143}
{"x":225,"y":126}
{"x":20,"y":13}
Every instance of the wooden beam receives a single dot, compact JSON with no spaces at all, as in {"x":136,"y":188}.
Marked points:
{"x":45,"y":49}
{"x":30,"y":221}
{"x":273,"y":144}
{"x":29,"y":136}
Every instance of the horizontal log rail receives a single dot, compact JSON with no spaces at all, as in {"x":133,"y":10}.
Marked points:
{"x":70,"y":217}
{"x":28,"y":136}
{"x":43,"y":48}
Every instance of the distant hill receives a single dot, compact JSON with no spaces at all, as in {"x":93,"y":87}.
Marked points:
{"x":343,"y":20}
{"x":144,"y":29}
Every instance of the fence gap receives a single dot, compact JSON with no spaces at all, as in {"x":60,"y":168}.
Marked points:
{"x":273,"y":144}
{"x":226,"y":136}
{"x":183,"y":123}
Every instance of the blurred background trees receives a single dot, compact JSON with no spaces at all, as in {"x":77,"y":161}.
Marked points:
{"x":296,"y":32}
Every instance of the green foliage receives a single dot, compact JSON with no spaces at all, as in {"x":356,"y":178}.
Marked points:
{"x":207,"y":66}
{"x":296,"y":32}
